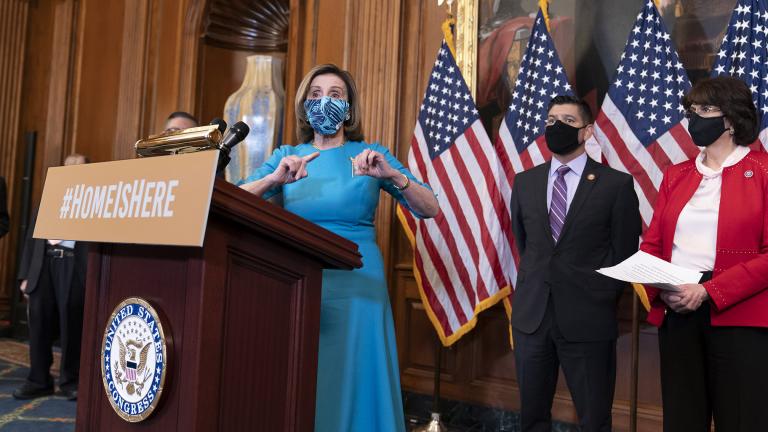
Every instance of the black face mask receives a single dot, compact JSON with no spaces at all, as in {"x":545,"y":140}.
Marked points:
{"x":705,"y":130}
{"x":562,"y":138}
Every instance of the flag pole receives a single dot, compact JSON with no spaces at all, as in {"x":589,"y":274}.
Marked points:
{"x":635,"y":364}
{"x":435,"y":425}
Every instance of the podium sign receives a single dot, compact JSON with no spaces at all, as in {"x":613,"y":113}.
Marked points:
{"x":160,"y":200}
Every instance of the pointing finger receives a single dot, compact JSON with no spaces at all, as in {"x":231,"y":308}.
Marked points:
{"x":311,"y":157}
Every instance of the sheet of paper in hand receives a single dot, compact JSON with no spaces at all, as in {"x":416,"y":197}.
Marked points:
{"x":647,"y":269}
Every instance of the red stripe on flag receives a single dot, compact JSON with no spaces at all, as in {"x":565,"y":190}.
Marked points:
{"x":659,"y":155}
{"x":489,"y":247}
{"x":525,"y":158}
{"x":440,"y":267}
{"x":498,"y":201}
{"x":491,"y":184}
{"x":541,"y":143}
{"x":429,"y":292}
{"x":445,"y":230}
{"x":417,"y":156}
{"x":509,"y":172}
{"x":410,"y":219}
{"x":684,"y":141}
{"x":463,"y":227}
{"x":426,"y":287}
{"x":504,"y":160}
{"x":629,"y":161}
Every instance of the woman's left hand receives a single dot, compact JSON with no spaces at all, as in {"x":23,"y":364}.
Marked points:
{"x":374,"y":164}
{"x":691,"y":297}
{"x":421,"y":199}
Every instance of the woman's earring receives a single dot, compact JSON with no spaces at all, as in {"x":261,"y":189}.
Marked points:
{"x":731,"y":131}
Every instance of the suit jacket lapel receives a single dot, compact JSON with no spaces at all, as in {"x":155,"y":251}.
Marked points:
{"x":589,"y":177}
{"x":541,"y":191}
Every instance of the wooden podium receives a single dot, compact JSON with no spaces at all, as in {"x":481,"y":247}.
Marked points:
{"x":241,"y":317}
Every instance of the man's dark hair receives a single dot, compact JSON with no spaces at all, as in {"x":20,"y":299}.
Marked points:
{"x":584,"y":110}
{"x":182,"y":114}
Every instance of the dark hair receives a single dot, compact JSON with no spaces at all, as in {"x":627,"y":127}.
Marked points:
{"x":182,"y":114}
{"x":734,"y":99}
{"x":584,"y":110}
{"x":353,"y":127}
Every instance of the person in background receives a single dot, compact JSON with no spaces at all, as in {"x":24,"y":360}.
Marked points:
{"x":711,"y":215}
{"x":334,"y":178}
{"x":52,"y":275}
{"x":180,"y":120}
{"x":5,"y":220}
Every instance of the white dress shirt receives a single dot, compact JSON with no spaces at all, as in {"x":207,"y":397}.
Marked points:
{"x":695,"y":239}
{"x":571,"y":178}
{"x":62,"y":243}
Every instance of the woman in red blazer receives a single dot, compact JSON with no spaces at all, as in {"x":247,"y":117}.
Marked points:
{"x":711,"y":214}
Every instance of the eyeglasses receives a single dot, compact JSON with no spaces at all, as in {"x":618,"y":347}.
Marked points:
{"x":570,"y":122}
{"x":702,"y":110}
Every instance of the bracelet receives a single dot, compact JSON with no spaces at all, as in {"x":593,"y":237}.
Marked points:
{"x":405,"y":186}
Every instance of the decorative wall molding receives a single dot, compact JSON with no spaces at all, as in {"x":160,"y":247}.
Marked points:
{"x":13,"y":32}
{"x":59,"y":131}
{"x":372,"y":45}
{"x":189,"y":48}
{"x":133,"y":78}
{"x":250,"y":25}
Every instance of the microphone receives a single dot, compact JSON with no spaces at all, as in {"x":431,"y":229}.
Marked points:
{"x":220,"y":123}
{"x":234,"y":135}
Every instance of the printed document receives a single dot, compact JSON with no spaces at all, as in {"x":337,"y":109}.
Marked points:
{"x":646,"y":269}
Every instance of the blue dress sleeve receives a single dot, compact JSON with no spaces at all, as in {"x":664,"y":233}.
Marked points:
{"x":388,"y":186}
{"x":266,"y":168}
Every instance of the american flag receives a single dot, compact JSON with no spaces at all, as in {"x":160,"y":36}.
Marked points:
{"x":641,"y":128}
{"x":744,"y":54}
{"x":461,"y":255}
{"x":520,"y":144}
{"x":541,"y":77}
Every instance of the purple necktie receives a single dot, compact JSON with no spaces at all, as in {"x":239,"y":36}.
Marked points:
{"x":557,"y":208}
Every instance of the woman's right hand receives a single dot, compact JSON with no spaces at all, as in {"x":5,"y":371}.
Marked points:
{"x":291,"y":169}
{"x":673,"y":300}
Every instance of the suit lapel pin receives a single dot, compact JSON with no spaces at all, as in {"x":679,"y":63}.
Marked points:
{"x":591,"y":177}
{"x":748,"y":173}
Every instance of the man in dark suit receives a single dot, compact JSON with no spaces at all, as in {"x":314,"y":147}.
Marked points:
{"x":52,"y":275}
{"x":570,"y":216}
{"x":5,"y":220}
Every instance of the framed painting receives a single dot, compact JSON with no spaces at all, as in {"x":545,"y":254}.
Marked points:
{"x":491,"y":37}
{"x":589,"y":36}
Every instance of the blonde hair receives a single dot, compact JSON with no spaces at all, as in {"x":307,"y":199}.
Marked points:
{"x":353,"y":127}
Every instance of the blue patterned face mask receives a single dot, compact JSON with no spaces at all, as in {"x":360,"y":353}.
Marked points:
{"x":327,"y":114}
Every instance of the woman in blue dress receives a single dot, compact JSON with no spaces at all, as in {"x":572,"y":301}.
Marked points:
{"x":333,"y":179}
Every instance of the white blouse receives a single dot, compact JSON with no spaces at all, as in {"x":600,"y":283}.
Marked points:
{"x":695,"y":240}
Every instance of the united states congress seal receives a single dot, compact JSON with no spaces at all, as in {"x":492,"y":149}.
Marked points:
{"x":133,"y":359}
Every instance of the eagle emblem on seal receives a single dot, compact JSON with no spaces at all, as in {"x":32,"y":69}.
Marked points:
{"x":130,"y":367}
{"x":134,"y":359}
